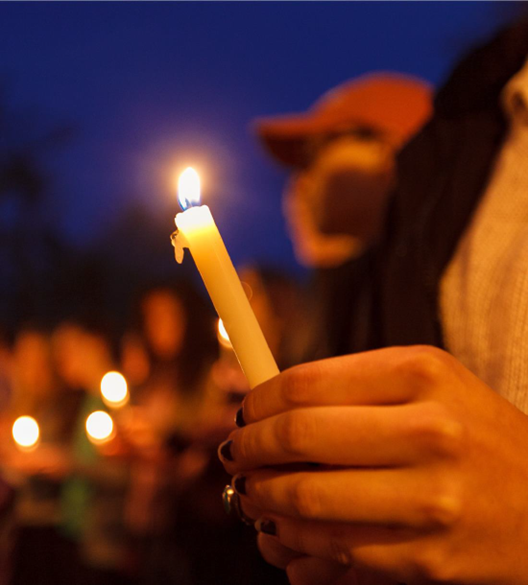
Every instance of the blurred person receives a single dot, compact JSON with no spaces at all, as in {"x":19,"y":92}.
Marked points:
{"x":37,"y":475}
{"x":172,"y":509}
{"x":34,"y":379}
{"x":170,"y":352}
{"x":92,"y":498}
{"x":173,"y":405}
{"x":341,"y":157}
{"x":341,"y":154}
{"x":35,"y":393}
{"x":423,"y":465}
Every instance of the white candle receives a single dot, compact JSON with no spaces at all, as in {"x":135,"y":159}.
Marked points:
{"x":198,"y":232}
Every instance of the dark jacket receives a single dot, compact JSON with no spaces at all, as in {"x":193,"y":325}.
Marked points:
{"x":442,"y":173}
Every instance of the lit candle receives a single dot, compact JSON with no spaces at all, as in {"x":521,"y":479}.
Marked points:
{"x":100,"y":427}
{"x":26,"y":433}
{"x":114,"y":389}
{"x":198,"y":232}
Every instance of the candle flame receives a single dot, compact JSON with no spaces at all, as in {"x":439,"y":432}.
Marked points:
{"x":99,"y":427}
{"x":223,"y":337}
{"x":189,"y":188}
{"x":26,"y":432}
{"x":114,"y":389}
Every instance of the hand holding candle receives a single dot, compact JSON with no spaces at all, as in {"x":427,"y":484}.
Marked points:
{"x":198,"y":232}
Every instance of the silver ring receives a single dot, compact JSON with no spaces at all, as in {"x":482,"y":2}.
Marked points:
{"x":232,"y":505}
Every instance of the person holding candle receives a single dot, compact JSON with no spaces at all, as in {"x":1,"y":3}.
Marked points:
{"x":421,"y":445}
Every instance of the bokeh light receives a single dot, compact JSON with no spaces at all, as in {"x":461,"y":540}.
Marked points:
{"x":26,"y":432}
{"x":100,"y":427}
{"x":114,"y":389}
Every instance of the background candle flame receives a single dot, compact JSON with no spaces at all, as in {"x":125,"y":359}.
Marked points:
{"x":189,"y":188}
{"x":114,"y":389}
{"x":223,"y":336}
{"x":99,"y":427}
{"x":26,"y":432}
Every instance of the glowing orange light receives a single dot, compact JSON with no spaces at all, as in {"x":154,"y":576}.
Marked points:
{"x":26,"y":432}
{"x":100,"y":427}
{"x":222,"y":335}
{"x":114,"y":389}
{"x":189,"y":188}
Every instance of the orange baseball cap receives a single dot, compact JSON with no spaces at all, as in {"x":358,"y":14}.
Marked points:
{"x":394,"y":104}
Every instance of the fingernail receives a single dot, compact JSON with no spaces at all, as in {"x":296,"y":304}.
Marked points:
{"x":266,"y":527}
{"x":239,"y":418}
{"x":225,"y":451}
{"x":239,"y":484}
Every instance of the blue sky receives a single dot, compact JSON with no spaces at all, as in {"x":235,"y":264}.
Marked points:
{"x":153,"y":86}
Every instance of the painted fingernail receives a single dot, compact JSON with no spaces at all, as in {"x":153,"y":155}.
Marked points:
{"x":266,"y":527}
{"x":239,"y":418}
{"x":225,"y":451}
{"x":239,"y":484}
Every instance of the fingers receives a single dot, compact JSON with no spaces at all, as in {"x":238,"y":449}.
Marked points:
{"x":388,"y":376}
{"x":365,"y":548}
{"x":356,"y":436}
{"x":313,"y":571}
{"x":402,"y":498}
{"x":251,"y":512}
{"x":274,"y":553}
{"x":303,"y":570}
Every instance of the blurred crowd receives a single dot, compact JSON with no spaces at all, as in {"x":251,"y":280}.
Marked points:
{"x":140,"y":503}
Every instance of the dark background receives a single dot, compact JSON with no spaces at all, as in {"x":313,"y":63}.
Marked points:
{"x":103,"y":103}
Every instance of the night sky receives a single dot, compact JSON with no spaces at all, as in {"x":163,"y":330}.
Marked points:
{"x":152,"y":87}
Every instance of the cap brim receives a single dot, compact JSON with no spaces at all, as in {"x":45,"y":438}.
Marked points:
{"x":394,"y":104}
{"x":285,"y":137}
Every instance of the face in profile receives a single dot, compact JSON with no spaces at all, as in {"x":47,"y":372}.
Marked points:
{"x":164,"y":321}
{"x":346,"y":184}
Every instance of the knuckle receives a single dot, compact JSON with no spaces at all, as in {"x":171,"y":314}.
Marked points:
{"x":422,"y":364}
{"x":437,"y":431}
{"x":442,"y":508}
{"x":244,"y":448}
{"x":295,"y":432}
{"x":305,"y":498}
{"x":297,"y":385}
{"x":251,"y":406}
{"x":431,"y":565}
{"x":239,"y":448}
{"x":339,"y":551}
